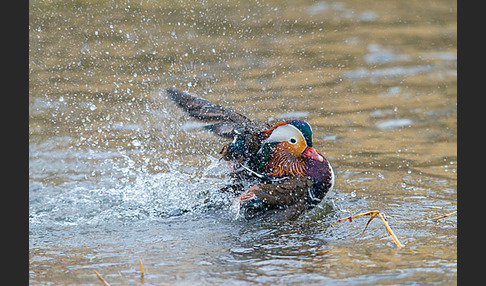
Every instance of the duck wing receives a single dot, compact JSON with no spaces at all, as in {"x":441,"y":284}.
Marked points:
{"x":224,"y":120}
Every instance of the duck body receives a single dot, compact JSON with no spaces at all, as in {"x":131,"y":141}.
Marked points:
{"x":276,"y":171}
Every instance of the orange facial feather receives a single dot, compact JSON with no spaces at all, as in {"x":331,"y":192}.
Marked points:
{"x":283,"y":162}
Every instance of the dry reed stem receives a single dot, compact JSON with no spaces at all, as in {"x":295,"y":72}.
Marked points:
{"x":141,"y":270}
{"x":373,"y":214}
{"x":141,"y":265}
{"x":101,"y":278}
{"x":443,"y":216}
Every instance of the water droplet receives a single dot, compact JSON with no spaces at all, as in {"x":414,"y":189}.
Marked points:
{"x":136,"y":143}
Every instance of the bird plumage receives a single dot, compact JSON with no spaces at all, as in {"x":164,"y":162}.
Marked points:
{"x":285,"y":174}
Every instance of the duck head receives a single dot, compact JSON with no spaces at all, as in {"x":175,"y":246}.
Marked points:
{"x":294,"y":136}
{"x":286,"y":147}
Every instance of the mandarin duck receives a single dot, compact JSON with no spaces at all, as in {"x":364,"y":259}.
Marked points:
{"x":275,"y":170}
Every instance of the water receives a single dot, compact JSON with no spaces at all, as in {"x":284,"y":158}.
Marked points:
{"x":117,"y":173}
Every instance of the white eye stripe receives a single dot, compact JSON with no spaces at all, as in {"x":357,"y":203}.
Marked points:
{"x":285,"y":133}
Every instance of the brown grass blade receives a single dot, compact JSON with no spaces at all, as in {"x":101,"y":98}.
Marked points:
{"x":101,"y":278}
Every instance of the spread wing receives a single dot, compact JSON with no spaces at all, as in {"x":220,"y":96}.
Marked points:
{"x":224,"y":120}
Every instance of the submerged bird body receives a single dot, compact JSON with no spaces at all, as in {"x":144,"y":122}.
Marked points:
{"x":276,"y":171}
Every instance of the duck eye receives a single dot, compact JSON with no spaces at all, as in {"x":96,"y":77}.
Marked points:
{"x":293,"y":140}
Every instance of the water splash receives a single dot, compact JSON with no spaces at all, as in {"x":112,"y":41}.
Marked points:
{"x":132,"y":194}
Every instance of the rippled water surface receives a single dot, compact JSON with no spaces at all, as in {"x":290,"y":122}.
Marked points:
{"x":117,"y":173}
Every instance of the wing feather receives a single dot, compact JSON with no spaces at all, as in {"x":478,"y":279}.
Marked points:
{"x":225,"y":121}
{"x":205,"y":110}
